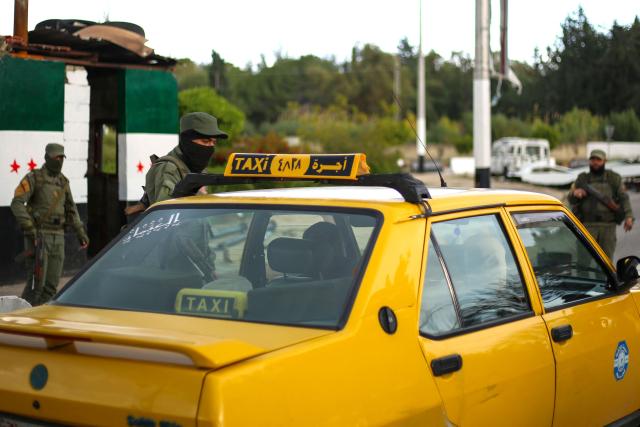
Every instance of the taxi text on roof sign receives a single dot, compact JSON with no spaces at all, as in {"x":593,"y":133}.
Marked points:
{"x":312,"y":166}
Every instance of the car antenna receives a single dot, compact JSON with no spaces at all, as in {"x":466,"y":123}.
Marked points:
{"x":442,"y":181}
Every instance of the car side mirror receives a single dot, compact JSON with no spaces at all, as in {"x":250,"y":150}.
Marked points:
{"x":627,"y":271}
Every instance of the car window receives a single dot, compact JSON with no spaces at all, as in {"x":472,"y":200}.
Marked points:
{"x":437,"y":312}
{"x":566,"y":270}
{"x":486,"y":282}
{"x":282,"y":266}
{"x":533,"y":151}
{"x":287,"y":225}
{"x":361,"y":227}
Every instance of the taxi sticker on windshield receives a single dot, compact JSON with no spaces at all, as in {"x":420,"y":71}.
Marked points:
{"x":211,"y":303}
{"x":314,"y":166}
{"x":621,"y":360}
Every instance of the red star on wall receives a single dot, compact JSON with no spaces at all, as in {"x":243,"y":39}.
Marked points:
{"x":32,"y":165}
{"x":140,"y":167}
{"x":14,"y":166}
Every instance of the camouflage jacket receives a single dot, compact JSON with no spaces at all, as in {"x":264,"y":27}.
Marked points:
{"x":589,"y":209}
{"x":163,"y":176}
{"x":43,"y":201}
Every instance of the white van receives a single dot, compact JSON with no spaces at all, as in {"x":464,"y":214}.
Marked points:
{"x":510,"y":155}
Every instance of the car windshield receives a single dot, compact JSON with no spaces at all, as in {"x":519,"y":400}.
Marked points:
{"x":533,"y":151}
{"x":259,"y":264}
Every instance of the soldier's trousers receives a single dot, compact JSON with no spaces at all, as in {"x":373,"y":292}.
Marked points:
{"x":605,"y":235}
{"x":40,"y":291}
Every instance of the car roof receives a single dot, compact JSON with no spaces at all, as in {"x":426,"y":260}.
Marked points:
{"x":441,"y":198}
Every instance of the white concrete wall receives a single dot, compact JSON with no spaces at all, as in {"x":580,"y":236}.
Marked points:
{"x":77,"y":97}
{"x":134,"y":150}
{"x":23,"y":147}
{"x":616,"y":150}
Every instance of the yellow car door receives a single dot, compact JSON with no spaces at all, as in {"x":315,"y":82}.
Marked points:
{"x":594,"y":329}
{"x":486,"y":346}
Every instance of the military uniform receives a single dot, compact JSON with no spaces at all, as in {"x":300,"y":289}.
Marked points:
{"x":596,"y":216}
{"x":164,"y":174}
{"x":188,"y":156}
{"x":43,"y":205}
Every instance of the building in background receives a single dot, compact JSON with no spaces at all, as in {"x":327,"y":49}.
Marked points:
{"x":99,"y":91}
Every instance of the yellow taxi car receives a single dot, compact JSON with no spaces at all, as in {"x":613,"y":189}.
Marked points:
{"x":375,"y":301}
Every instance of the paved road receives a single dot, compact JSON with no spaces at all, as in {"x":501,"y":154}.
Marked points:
{"x":628,"y":243}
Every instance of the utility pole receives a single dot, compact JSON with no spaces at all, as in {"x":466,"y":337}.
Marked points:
{"x":481,"y":98}
{"x":421,"y":119}
{"x":20,"y":20}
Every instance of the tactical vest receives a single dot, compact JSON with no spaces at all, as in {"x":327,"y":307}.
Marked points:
{"x":46,"y":205}
{"x":144,"y":202}
{"x":590,"y":209}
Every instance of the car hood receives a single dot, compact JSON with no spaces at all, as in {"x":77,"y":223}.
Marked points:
{"x":184,"y":340}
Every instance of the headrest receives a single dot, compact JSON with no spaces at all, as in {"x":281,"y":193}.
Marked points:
{"x":296,"y":256}
{"x":321,"y":231}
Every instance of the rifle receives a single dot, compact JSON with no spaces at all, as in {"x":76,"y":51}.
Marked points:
{"x":605,"y":200}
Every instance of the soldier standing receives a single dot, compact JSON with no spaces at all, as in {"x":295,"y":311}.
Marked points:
{"x":198,"y":134}
{"x":42,"y":204}
{"x":598,"y":198}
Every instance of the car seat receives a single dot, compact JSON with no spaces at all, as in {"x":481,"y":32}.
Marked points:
{"x":297,"y":259}
{"x":328,"y":235}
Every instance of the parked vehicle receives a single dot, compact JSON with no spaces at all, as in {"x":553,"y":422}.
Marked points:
{"x":509,"y":155}
{"x":374,"y":302}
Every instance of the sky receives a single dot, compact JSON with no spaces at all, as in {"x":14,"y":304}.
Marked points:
{"x":242,"y":31}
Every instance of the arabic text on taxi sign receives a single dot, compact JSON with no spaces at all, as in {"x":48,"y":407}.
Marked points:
{"x":326,"y":166}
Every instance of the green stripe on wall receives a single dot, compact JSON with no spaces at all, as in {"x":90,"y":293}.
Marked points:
{"x":149,"y":102}
{"x":31,"y":94}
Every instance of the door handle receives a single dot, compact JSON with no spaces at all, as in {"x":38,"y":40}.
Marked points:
{"x":561,"y":333}
{"x":446,"y":365}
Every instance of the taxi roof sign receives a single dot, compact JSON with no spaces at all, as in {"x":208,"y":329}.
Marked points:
{"x":297,"y":166}
{"x":339,"y":169}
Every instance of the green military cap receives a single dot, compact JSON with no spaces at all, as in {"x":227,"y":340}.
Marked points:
{"x":202,"y":123}
{"x":54,"y":150}
{"x":599,"y":154}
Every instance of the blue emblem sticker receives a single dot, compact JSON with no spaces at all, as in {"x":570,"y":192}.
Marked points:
{"x":621,"y":360}
{"x":39,"y":377}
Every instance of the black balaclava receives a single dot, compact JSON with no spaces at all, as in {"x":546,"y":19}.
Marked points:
{"x":53,"y":165}
{"x":195,"y":156}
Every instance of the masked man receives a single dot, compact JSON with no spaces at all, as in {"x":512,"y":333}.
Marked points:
{"x":43,"y":205}
{"x":198,"y":135}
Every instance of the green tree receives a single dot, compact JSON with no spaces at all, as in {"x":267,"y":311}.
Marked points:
{"x":620,"y":77}
{"x":230,"y":118}
{"x":189,"y":74}
{"x":502,"y":126}
{"x":575,"y":69}
{"x":577,"y":127}
{"x":540,"y":129}
{"x":370,"y":79}
{"x":218,"y":73}
{"x":337,"y":130}
{"x":445,"y":132}
{"x":626,"y":125}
